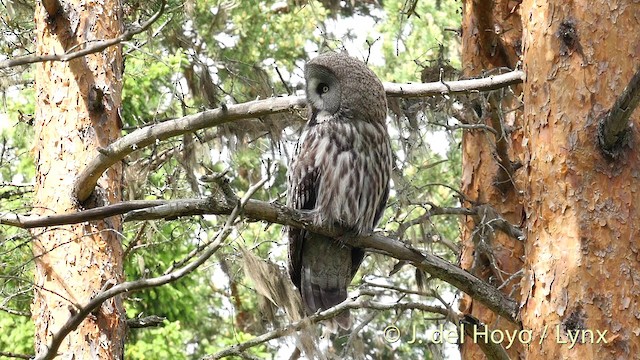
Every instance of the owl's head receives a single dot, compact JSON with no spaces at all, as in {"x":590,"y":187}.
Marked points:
{"x":342,"y":86}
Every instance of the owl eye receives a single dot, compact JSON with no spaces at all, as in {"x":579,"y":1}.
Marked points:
{"x":322,"y":88}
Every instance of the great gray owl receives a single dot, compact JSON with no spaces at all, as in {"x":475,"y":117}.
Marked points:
{"x":340,"y":174}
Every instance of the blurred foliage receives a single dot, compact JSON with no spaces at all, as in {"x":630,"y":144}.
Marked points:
{"x":206,"y":53}
{"x":148,"y":88}
{"x":416,"y":34}
{"x":20,"y":337}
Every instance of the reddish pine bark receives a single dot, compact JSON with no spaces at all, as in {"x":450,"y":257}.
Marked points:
{"x":77,"y":112}
{"x":582,"y":249}
{"x":577,"y":206}
{"x":491,"y":41}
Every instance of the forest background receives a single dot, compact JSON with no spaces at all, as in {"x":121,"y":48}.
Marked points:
{"x":144,"y":146}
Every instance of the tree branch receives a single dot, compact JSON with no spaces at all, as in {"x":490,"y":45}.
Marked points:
{"x":504,"y":177}
{"x":14,"y":312}
{"x":276,"y":213}
{"x":29,"y":222}
{"x":15,"y":356}
{"x":492,"y":350}
{"x":437,"y":267}
{"x":90,"y":49}
{"x":140,"y":138}
{"x":486,"y":215}
{"x":454,"y":87}
{"x":484,"y":127}
{"x":358,"y":303}
{"x":433,"y":210}
{"x":614,"y":125}
{"x":137,"y":285}
{"x":145,"y":322}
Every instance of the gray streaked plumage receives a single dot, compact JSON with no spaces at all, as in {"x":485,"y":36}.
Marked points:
{"x":340,"y":173}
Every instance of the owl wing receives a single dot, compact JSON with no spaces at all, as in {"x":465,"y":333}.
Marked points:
{"x":357,"y":254}
{"x":304,"y":181}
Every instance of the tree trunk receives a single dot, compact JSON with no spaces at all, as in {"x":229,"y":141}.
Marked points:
{"x":580,"y":287}
{"x":490,"y":42}
{"x":77,"y":113}
{"x":582,"y":249}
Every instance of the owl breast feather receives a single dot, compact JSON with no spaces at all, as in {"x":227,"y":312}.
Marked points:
{"x":352,"y":159}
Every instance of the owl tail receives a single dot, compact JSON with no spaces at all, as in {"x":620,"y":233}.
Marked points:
{"x":325,"y":275}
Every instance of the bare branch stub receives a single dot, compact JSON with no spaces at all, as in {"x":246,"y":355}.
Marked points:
{"x":613,"y":126}
{"x":53,"y":9}
{"x":504,"y":178}
{"x":145,"y":322}
{"x":569,"y":40}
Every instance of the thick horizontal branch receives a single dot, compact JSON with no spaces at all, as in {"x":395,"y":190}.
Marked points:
{"x":140,"y":138}
{"x":614,"y":125}
{"x":29,"y":222}
{"x":89,"y":49}
{"x":149,"y":135}
{"x":454,"y":87}
{"x":276,"y":213}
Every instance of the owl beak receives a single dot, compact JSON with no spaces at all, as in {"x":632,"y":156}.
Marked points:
{"x":313,"y":120}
